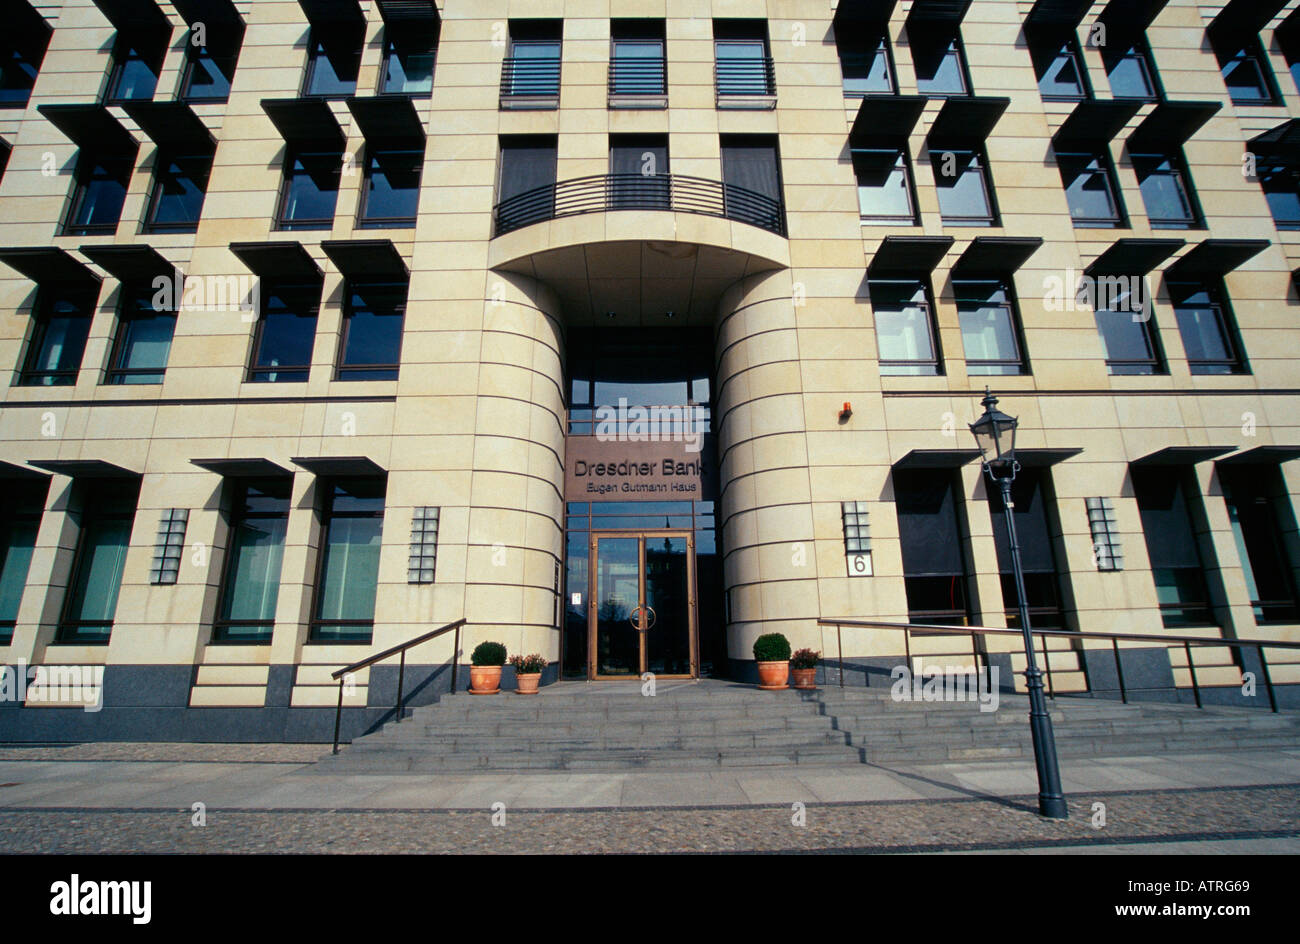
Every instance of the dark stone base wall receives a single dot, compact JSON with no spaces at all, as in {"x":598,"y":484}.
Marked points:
{"x":150,"y":703}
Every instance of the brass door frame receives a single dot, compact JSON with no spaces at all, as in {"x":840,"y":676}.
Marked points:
{"x":692,"y":611}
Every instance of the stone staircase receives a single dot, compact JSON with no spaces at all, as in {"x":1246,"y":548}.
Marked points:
{"x":711,"y":724}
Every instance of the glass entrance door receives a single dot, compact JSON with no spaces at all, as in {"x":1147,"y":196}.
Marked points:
{"x":641,"y":615}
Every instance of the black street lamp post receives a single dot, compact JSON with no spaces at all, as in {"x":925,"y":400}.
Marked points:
{"x":995,"y":434}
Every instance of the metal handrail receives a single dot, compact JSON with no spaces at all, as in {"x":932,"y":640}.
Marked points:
{"x":600,"y":193}
{"x":401,"y":672}
{"x":1186,"y":642}
{"x":530,"y":76}
{"x":745,"y":76}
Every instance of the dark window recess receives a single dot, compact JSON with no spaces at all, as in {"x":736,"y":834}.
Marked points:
{"x":932,"y":535}
{"x":409,"y":57}
{"x":526,"y":183}
{"x":637,"y":64}
{"x":990,"y":331}
{"x":905,"y":338}
{"x":964,"y":187}
{"x":61,"y":324}
{"x":742,"y":58}
{"x":180,"y":184}
{"x":134,"y":74}
{"x":884,"y":185}
{"x":751,"y":181}
{"x":5,"y":151}
{"x":285,"y":334}
{"x":1245,"y":69}
{"x":940,"y":62}
{"x":1279,"y":177}
{"x":1289,"y":41}
{"x":1264,"y":528}
{"x":250,"y":582}
{"x":1090,"y":190}
{"x":144,"y":339}
{"x":1172,"y":545}
{"x":333,"y":61}
{"x":310,"y":189}
{"x":391,"y":195}
{"x":99,"y":190}
{"x":532,"y":69}
{"x":1030,"y":494}
{"x":1208,"y":329}
{"x":1166,"y":190}
{"x":1130,"y":68}
{"x":638,"y":167}
{"x":90,"y":602}
{"x":22,"y":50}
{"x":209,"y":71}
{"x":865,"y":59}
{"x":372,"y":331}
{"x":352,"y":523}
{"x":1127,"y":330}
{"x":1058,"y":65}
{"x":20,"y":518}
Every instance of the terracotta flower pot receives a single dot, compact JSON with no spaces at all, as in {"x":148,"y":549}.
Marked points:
{"x":805,"y":679}
{"x":773,"y":676}
{"x":484,"y":679}
{"x":528,"y":682}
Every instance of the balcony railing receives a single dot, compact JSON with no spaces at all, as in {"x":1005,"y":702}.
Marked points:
{"x":638,"y":77}
{"x":530,"y":77}
{"x":745,"y":77}
{"x":602,"y":193}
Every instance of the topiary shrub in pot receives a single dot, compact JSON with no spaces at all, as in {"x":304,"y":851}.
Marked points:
{"x":803,"y":666}
{"x":528,"y":672}
{"x":485,"y":668}
{"x":772,"y":653}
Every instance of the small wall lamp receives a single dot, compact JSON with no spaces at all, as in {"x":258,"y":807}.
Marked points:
{"x":847,"y":411}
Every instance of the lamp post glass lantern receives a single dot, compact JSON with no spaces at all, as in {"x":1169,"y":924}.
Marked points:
{"x":995,"y":435}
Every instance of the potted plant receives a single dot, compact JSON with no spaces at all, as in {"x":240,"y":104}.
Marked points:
{"x":485,"y":668}
{"x":803,"y":664}
{"x":772,"y":653}
{"x":528,"y":672}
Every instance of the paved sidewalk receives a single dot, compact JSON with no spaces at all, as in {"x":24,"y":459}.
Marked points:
{"x":1208,"y":803}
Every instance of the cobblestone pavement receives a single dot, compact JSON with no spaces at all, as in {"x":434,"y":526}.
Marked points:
{"x":168,"y":752}
{"x":1157,"y":816}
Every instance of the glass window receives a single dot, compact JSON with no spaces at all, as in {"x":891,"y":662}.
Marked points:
{"x":333,"y":61}
{"x":1166,"y":190}
{"x":285,"y":334}
{"x":1061,"y":73}
{"x":940,"y":64}
{"x":58,"y":340}
{"x":1090,"y":188}
{"x":21,"y":55}
{"x":91,"y":600}
{"x":1181,"y":590}
{"x":408,"y":66}
{"x":144,"y":339}
{"x":932,"y":534}
{"x":311,"y":190}
{"x":251,"y":582}
{"x":904,"y":331}
{"x":372,"y":331}
{"x":1260,"y":512}
{"x":1205,"y":323}
{"x":179,"y":185}
{"x":1031,"y":494}
{"x":20,"y":517}
{"x":1246,"y":72}
{"x":348,"y":577}
{"x":988,"y":328}
{"x":534,"y":67}
{"x":742,"y":67}
{"x":965,"y":192}
{"x":637,"y":67}
{"x":392,"y":187}
{"x":207,"y":75}
{"x":99,"y":192}
{"x":864,"y":59}
{"x":1127,"y":335}
{"x":1279,"y":176}
{"x":134,"y":76}
{"x":884,"y":185}
{"x":1130,"y":69}
{"x":1289,"y":40}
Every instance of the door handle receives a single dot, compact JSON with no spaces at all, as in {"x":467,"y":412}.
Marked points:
{"x":652,"y":616}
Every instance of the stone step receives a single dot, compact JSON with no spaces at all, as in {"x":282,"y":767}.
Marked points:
{"x":585,"y":759}
{"x":487,"y":743}
{"x":414,"y":727}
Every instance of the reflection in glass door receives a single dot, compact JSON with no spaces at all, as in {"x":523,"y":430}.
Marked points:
{"x":642,"y":608}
